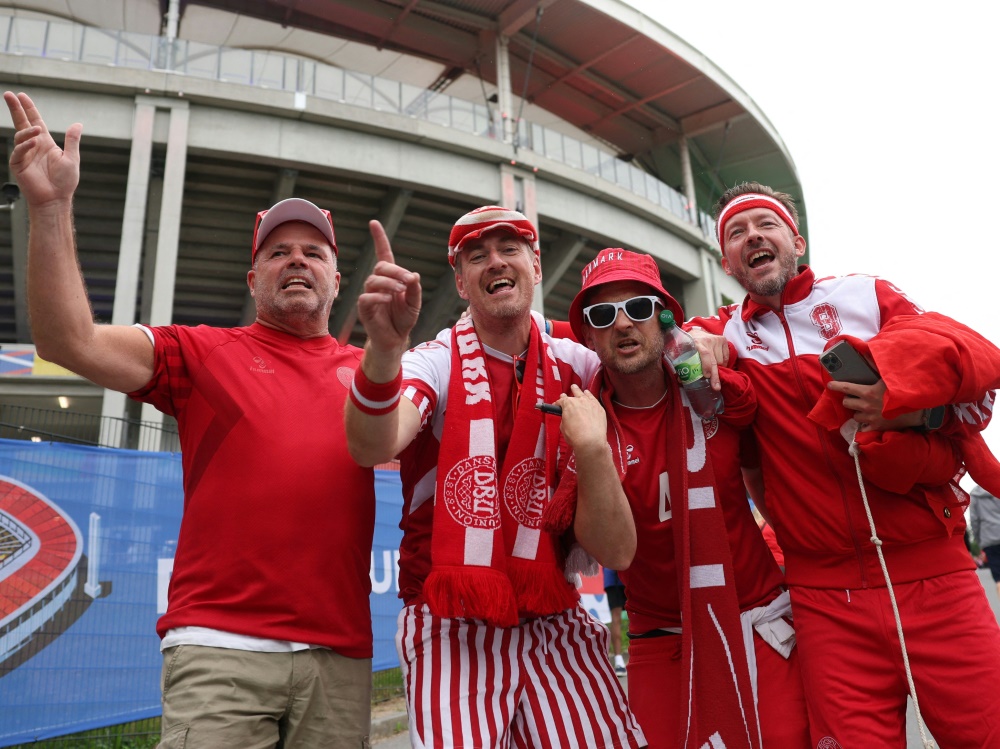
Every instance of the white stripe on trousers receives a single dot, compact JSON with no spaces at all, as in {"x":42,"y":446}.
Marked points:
{"x":547,"y":682}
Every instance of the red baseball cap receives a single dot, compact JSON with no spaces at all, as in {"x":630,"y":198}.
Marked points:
{"x":475,"y":224}
{"x":292,"y":209}
{"x":615,"y":264}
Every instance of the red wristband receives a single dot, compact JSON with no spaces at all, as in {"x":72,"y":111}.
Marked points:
{"x":375,"y":398}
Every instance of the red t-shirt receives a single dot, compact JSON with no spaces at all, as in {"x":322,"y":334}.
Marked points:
{"x":275,"y":541}
{"x":651,"y":581}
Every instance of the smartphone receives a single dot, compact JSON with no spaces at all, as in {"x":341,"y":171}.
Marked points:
{"x":845,"y":364}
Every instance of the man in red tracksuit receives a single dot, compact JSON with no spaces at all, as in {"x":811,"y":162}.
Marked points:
{"x":852,"y":664}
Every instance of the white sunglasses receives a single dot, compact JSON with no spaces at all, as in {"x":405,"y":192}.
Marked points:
{"x":638,"y":309}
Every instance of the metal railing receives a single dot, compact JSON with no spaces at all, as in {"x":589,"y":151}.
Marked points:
{"x":272,"y":70}
{"x":44,"y":425}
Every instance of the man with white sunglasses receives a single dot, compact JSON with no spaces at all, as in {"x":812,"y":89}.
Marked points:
{"x":711,"y":655}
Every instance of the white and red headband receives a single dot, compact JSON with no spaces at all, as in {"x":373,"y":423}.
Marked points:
{"x":489,"y":218}
{"x":752,"y":200}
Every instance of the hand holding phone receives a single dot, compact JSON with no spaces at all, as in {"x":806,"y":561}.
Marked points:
{"x":845,"y":364}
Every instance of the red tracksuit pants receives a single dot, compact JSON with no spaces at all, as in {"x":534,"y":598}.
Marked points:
{"x":852,"y":666}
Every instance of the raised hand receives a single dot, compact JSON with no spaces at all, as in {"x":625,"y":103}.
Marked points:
{"x":390,"y":303}
{"x":45,"y":173}
{"x":584,"y":423}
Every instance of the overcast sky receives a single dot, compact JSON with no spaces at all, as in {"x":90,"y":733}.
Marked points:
{"x":889,"y":111}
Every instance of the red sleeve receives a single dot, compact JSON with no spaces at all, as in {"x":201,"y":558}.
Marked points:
{"x":562,"y":329}
{"x":892,"y":301}
{"x":738,"y":394}
{"x":169,"y":388}
{"x":715,"y":323}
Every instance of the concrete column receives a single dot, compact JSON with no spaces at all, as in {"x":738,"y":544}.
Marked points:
{"x":517,"y":191}
{"x":168,"y":239}
{"x":344,"y":314}
{"x":687,"y":179}
{"x":170,"y":32}
{"x":129,"y":256}
{"x":505,"y":99}
{"x":701,"y":296}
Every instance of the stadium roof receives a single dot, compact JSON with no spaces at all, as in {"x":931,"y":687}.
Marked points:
{"x":598,"y":67}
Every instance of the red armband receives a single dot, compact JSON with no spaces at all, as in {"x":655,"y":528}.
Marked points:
{"x":373,"y":398}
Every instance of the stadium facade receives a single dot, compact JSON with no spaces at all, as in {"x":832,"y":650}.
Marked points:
{"x":596,"y":121}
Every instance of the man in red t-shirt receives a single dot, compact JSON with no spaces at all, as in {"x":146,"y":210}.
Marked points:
{"x":711,"y":661}
{"x":266,"y":637}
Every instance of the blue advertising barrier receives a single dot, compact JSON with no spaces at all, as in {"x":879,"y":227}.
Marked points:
{"x":87,"y":537}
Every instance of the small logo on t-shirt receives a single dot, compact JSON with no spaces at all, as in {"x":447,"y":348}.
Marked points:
{"x":711,"y":427}
{"x":828,"y":742}
{"x":261,"y":366}
{"x":629,"y":460}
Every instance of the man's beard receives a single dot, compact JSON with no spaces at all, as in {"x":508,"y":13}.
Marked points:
{"x":652,"y":352}
{"x":773,"y":286}
{"x":511,"y":308}
{"x":291,"y":310}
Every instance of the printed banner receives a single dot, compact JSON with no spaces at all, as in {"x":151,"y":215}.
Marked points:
{"x":87,"y":539}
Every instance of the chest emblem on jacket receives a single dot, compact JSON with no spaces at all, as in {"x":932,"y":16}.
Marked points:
{"x":755,"y":341}
{"x":825,"y":317}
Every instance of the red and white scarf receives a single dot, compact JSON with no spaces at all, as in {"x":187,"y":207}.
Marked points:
{"x":719,"y":705}
{"x":490,"y":558}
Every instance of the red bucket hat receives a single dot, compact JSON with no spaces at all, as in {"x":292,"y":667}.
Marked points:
{"x":489,"y":218}
{"x":616,"y":264}
{"x":292,"y":209}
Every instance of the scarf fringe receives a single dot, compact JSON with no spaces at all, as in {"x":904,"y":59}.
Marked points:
{"x":471,"y":593}
{"x":540,"y":590}
{"x":560,"y":511}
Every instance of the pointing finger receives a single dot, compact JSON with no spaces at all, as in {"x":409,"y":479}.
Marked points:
{"x":383,"y":250}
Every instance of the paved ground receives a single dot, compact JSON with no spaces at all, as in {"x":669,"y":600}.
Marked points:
{"x":402,"y":740}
